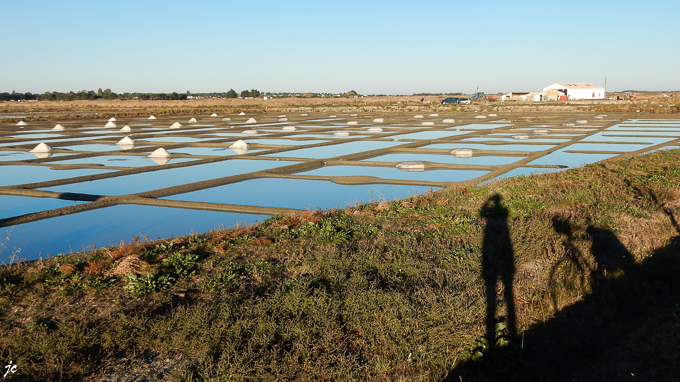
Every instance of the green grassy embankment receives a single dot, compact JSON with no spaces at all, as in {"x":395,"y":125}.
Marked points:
{"x":564,"y":276}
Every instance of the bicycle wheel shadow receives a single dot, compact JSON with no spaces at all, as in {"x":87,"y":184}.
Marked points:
{"x":632,"y":312}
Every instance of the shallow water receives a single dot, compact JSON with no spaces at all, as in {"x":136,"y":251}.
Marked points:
{"x":132,"y":184}
{"x":120,"y":161}
{"x":298,"y":193}
{"x":446,"y":159}
{"x":21,"y":205}
{"x":394,"y":173}
{"x":477,"y":146}
{"x":428,"y":135}
{"x":336,"y":150}
{"x":17,"y":174}
{"x":108,"y":226}
{"x":570,"y":160}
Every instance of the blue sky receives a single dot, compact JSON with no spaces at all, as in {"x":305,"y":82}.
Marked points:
{"x":373,"y":47}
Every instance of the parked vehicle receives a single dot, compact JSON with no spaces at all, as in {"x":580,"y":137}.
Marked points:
{"x":450,"y":100}
{"x":464,"y":101}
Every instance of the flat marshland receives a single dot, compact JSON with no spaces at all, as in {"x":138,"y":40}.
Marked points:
{"x":553,"y":277}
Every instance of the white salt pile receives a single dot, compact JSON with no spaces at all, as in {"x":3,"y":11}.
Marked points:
{"x":411,"y":166}
{"x":192,"y":120}
{"x":449,"y":120}
{"x":226,"y":119}
{"x":568,"y":124}
{"x":125,"y":129}
{"x":493,"y":115}
{"x":249,"y":132}
{"x":352,"y":115}
{"x":378,"y":120}
{"x":22,"y":123}
{"x":41,"y":148}
{"x":480,"y":116}
{"x":176,"y":125}
{"x":241,"y":113}
{"x":240,"y":144}
{"x":112,"y":119}
{"x":332,"y":116}
{"x":251,"y":120}
{"x":283,"y":119}
{"x":375,"y":130}
{"x":428,"y":123}
{"x":126,"y":141}
{"x":462,"y":153}
{"x":152,"y":117}
{"x":434,"y":115}
{"x":341,"y":134}
{"x":282,"y":116}
{"x":352,"y":122}
{"x":213,"y":115}
{"x":288,"y":128}
{"x":582,"y":121}
{"x":159,"y":153}
{"x":58,"y":128}
{"x":303,"y":115}
{"x":417,"y":116}
{"x":520,"y":137}
{"x":110,"y":125}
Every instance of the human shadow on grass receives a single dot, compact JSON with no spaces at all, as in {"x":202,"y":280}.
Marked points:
{"x":629,"y":321}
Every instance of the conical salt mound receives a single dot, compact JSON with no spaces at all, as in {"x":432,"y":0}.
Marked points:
{"x":249,"y":132}
{"x":22,"y":123}
{"x":41,"y":148}
{"x":213,"y":115}
{"x":176,"y":125}
{"x":110,"y":125}
{"x":379,"y":120}
{"x":240,"y":144}
{"x":125,"y":129}
{"x":192,"y":120}
{"x":112,"y":119}
{"x":289,"y":128}
{"x":126,"y":141}
{"x":152,"y":117}
{"x":159,"y":153}
{"x":58,"y":128}
{"x":352,"y":122}
{"x":449,"y":120}
{"x":251,"y":120}
{"x":241,"y":113}
{"x":375,"y":129}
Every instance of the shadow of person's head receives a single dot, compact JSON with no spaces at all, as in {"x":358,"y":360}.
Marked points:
{"x":494,"y":209}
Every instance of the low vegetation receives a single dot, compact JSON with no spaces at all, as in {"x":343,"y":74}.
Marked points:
{"x":563,"y":276}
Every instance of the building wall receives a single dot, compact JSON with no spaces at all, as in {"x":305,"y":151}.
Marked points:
{"x":591,"y":93}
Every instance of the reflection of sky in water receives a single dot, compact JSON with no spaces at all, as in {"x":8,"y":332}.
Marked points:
{"x":483,"y":126}
{"x":176,"y":139}
{"x":153,"y":180}
{"x":601,"y":137}
{"x":477,"y":146}
{"x":447,"y":159}
{"x":352,"y":134}
{"x":108,"y":226}
{"x":335,"y":150}
{"x":16,"y":174}
{"x":561,"y":158}
{"x":20,"y":155}
{"x":20,"y":205}
{"x":120,"y":161}
{"x":652,"y":133}
{"x":97,"y":147}
{"x":284,"y":142}
{"x":35,"y":136}
{"x":605,"y":147}
{"x":501,"y":139}
{"x":429,"y":135}
{"x":225,"y":151}
{"x":16,"y":143}
{"x":394,"y":173}
{"x":298,"y":193}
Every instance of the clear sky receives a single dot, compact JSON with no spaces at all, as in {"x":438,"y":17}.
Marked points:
{"x":373,"y":47}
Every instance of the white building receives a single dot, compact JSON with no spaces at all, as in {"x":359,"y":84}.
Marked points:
{"x":563,"y":91}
